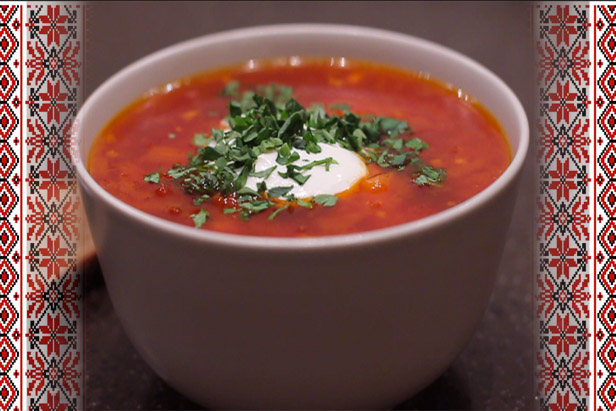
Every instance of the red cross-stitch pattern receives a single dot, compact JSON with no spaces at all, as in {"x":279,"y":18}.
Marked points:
{"x":11,"y":363}
{"x":563,"y":217}
{"x":53,"y":363}
{"x":604,"y":19}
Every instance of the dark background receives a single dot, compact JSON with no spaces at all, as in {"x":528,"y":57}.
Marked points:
{"x":495,"y":370}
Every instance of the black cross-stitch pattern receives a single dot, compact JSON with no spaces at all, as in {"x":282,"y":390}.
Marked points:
{"x":563,"y":218}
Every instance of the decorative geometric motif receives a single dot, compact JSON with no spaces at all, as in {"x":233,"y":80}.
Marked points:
{"x":8,"y":316}
{"x":607,"y":43}
{"x":8,"y":198}
{"x":607,"y":353}
{"x":8,"y":355}
{"x":604,"y":16}
{"x":8,"y":393}
{"x":607,"y":198}
{"x":607,"y":159}
{"x":607,"y":122}
{"x":8,"y":161}
{"x":607,"y":393}
{"x":8,"y":43}
{"x":53,"y":367}
{"x":8,"y":121}
{"x":8,"y":83}
{"x":607,"y":316}
{"x":607,"y":237}
{"x":607,"y":277}
{"x":11,"y":18}
{"x":563,"y":217}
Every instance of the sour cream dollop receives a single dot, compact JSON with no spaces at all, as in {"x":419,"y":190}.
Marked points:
{"x":340,"y":177}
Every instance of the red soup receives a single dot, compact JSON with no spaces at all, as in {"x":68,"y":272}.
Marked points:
{"x":426,"y":147}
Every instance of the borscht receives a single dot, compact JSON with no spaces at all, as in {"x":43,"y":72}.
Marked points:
{"x":297,"y":147}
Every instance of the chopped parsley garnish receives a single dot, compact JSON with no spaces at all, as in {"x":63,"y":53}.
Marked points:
{"x":279,"y":191}
{"x":199,"y":200}
{"x":277,"y":211}
{"x":152,"y":178}
{"x":231,"y":89}
{"x":430,"y":175}
{"x":200,"y":218}
{"x":200,"y":140}
{"x":268,"y":118}
{"x":326,"y":200}
{"x":344,"y":107}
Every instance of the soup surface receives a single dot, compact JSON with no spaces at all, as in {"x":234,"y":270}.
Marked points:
{"x":162,"y":129}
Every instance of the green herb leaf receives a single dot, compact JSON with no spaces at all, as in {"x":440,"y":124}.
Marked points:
{"x":416,"y":144}
{"x":304,"y":203}
{"x":290,"y":126}
{"x":277,"y":211}
{"x":221,"y":162}
{"x":395,"y":143}
{"x":326,"y":200}
{"x":292,"y":173}
{"x":200,"y":140}
{"x":278,"y":192}
{"x":398,"y":159}
{"x":241,"y":179}
{"x":261,"y":187}
{"x":431,"y":173}
{"x":153,"y":178}
{"x":247,"y":191}
{"x":257,"y":205}
{"x":430,"y":176}
{"x":231,"y":89}
{"x":200,"y":218}
{"x":208,"y":154}
{"x":286,"y":156}
{"x":264,"y":174}
{"x":217,"y":134}
{"x":179,"y":172}
{"x":392,"y":126}
{"x":327,"y":162}
{"x":344,"y":107}
{"x":300,"y":178}
{"x":199,"y":200}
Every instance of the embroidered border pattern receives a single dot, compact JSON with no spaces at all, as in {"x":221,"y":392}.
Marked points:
{"x":53,"y":301}
{"x":10,"y":196}
{"x":562,"y":285}
{"x":605,"y":211}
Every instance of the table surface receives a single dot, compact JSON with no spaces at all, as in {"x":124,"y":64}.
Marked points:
{"x":495,"y":370}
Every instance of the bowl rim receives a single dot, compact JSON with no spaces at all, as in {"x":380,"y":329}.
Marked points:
{"x":329,"y":242}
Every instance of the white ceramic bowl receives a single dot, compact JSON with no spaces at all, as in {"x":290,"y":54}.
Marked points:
{"x":353,"y":321}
